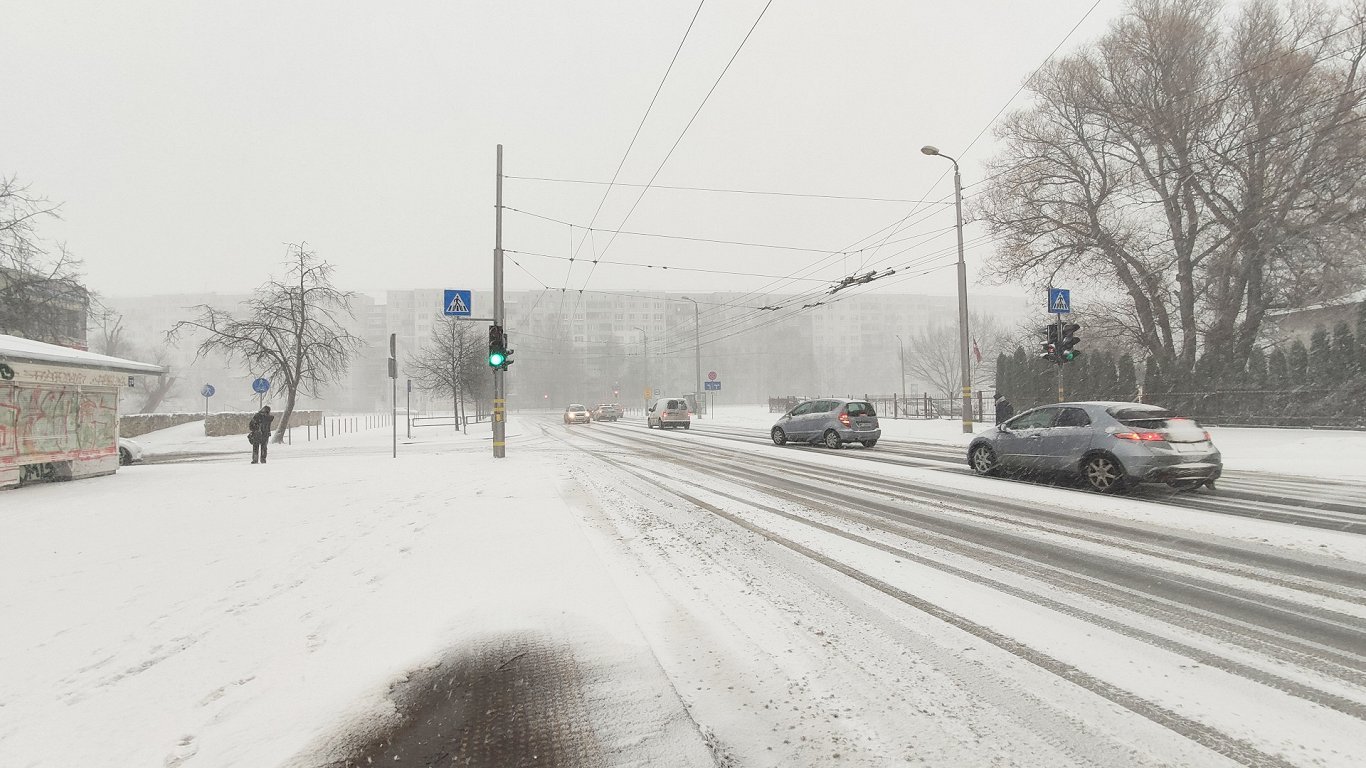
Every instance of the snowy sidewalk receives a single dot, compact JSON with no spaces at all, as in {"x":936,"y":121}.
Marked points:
{"x":224,"y":614}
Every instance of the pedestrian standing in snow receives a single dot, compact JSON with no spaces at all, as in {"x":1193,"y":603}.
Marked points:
{"x":258,"y":434}
{"x":1004,"y":410}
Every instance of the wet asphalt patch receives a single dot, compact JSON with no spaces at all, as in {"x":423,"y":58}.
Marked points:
{"x":510,"y":701}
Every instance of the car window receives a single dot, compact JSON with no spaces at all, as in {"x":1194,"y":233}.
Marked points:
{"x":575,"y":408}
{"x":825,"y":406}
{"x":860,"y":409}
{"x":1073,"y":417}
{"x":1039,"y":418}
{"x":677,"y":405}
{"x":802,"y":409}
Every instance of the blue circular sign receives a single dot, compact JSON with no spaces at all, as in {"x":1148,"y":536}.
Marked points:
{"x":260,"y":386}
{"x":208,"y":390}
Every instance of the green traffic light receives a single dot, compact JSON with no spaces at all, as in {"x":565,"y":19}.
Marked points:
{"x":496,"y":359}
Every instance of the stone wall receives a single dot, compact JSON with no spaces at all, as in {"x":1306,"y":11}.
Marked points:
{"x":220,"y":424}
{"x":136,"y":424}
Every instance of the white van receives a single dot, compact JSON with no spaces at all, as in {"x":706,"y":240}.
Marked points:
{"x":668,"y":412}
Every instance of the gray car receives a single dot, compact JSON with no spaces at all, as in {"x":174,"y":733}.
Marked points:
{"x":1112,"y":445}
{"x":830,"y":421}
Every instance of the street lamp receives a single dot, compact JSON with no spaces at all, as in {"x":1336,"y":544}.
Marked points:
{"x":697,"y":352}
{"x":962,"y":290}
{"x":645,"y":351}
{"x":901,"y":352}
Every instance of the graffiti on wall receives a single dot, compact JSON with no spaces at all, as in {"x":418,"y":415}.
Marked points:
{"x":48,"y":423}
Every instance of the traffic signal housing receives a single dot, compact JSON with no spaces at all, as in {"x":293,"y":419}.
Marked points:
{"x":1066,"y":351}
{"x":500,"y":357}
{"x":1048,"y":349}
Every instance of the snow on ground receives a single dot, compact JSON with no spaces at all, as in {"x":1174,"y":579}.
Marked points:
{"x":217,"y":613}
{"x":1328,"y":453}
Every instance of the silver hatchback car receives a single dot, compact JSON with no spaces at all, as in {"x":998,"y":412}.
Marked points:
{"x":831,"y":421}
{"x":1111,"y":445}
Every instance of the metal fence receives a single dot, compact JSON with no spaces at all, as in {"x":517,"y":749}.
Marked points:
{"x":1302,"y":408}
{"x":895,"y":406}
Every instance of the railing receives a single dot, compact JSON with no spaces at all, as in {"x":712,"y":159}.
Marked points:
{"x":895,"y":406}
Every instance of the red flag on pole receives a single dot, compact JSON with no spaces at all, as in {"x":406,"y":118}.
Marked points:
{"x":976,"y":351}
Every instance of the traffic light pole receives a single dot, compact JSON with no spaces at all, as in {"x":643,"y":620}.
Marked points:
{"x":499,"y":382}
{"x":1062,"y":391}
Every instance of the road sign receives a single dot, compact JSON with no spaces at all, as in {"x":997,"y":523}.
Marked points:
{"x":1059,"y":301}
{"x":711,"y":375}
{"x":456,"y":303}
{"x":261,"y":386}
{"x":712,"y":386}
{"x":208,"y":390}
{"x":648,"y":393}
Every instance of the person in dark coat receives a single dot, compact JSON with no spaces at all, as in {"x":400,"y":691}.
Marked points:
{"x":1004,"y":410}
{"x":258,"y":433}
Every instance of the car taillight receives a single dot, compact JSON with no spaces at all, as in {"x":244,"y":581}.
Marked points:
{"x":1207,"y":437}
{"x":844,"y":419}
{"x":1142,"y":437}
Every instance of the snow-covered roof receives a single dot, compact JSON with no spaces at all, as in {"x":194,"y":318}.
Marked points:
{"x":14,"y":348}
{"x":1341,"y":301}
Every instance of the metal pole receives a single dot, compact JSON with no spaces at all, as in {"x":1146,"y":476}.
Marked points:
{"x":1062,"y":390}
{"x":901,"y":352}
{"x":697,"y":347}
{"x":499,"y":385}
{"x":962,"y":303}
{"x":410,"y":409}
{"x":645,"y":352}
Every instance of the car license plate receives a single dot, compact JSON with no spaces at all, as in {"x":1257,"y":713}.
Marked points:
{"x":1188,"y":448}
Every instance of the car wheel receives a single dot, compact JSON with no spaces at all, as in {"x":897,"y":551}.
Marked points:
{"x":832,"y":439}
{"x":687,"y":426}
{"x":983,"y":460}
{"x":1104,"y":474}
{"x":125,"y":458}
{"x":779,"y":436}
{"x":869,"y":443}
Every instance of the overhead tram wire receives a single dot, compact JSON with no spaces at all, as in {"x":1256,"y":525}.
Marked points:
{"x":679,"y":140}
{"x":979,"y":240}
{"x":661,"y":267}
{"x":641,"y":125}
{"x":729,"y":191}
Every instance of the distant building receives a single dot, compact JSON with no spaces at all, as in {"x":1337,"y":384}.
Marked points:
{"x":1291,"y":324}
{"x":44,"y":309}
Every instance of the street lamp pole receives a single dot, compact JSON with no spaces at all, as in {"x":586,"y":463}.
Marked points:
{"x":901,"y":352}
{"x":697,"y":352}
{"x":962,"y":291}
{"x":645,"y":351}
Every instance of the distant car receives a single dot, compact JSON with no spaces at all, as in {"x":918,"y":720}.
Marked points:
{"x":576,"y":414}
{"x":1113,"y":446}
{"x":830,"y":421}
{"x":129,"y":451}
{"x":607,"y":412}
{"x":668,"y":413}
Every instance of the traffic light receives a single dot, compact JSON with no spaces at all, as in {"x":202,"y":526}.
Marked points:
{"x":1066,"y":353}
{"x":1048,"y":349}
{"x":500,"y":357}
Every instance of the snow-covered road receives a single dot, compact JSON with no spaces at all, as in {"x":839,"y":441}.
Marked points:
{"x":609,"y":595}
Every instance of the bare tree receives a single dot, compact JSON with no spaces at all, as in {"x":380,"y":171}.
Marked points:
{"x":40,"y":292}
{"x":1192,"y":174}
{"x":934,"y":355}
{"x":293,"y":332}
{"x":452,"y":362}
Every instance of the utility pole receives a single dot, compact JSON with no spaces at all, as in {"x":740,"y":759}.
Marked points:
{"x":962,"y":291}
{"x":393,"y":381}
{"x":697,"y":352}
{"x":645,"y":352}
{"x":901,"y":352}
{"x":499,"y":383}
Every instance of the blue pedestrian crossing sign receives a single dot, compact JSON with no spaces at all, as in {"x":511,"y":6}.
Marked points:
{"x":1059,"y":301}
{"x":261,"y":385}
{"x":456,"y":303}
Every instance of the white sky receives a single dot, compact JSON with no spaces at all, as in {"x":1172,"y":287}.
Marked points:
{"x":190,"y":141}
